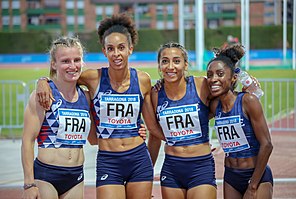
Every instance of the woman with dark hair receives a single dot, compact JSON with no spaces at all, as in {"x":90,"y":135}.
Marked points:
{"x":241,"y":129}
{"x":182,"y":109}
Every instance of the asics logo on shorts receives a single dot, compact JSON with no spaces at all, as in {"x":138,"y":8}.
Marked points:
{"x":104,"y":177}
{"x":163,"y":178}
{"x":80,"y":176}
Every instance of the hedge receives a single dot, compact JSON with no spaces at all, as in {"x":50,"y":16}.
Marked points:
{"x":261,"y":37}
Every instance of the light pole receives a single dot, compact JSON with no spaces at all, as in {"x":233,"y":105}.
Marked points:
{"x":294,"y":37}
{"x":181,"y":22}
{"x":285,"y":31}
{"x":199,"y":34}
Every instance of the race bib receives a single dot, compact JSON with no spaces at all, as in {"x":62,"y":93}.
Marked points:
{"x":230,"y":134}
{"x":74,"y":126}
{"x":119,"y":111}
{"x":180,"y":123}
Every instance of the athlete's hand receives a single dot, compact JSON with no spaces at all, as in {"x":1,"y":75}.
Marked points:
{"x":31,"y":193}
{"x":250,"y":193}
{"x":212,"y":148}
{"x":44,"y":94}
{"x":157,"y":86}
{"x":142,"y":131}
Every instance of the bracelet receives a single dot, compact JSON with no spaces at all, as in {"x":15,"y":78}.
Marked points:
{"x":28,"y":186}
{"x":44,"y":78}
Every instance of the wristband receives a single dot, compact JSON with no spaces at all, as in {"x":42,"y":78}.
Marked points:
{"x":28,"y":186}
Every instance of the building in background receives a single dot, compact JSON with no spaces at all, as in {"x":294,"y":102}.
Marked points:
{"x":68,"y":16}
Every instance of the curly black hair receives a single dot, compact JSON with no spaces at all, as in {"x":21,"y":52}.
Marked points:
{"x":120,"y":23}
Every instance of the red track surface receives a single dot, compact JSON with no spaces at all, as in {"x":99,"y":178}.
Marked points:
{"x":282,"y":163}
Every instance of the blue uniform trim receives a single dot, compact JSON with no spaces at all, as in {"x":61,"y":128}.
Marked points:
{"x":246,"y":126}
{"x":62,"y":178}
{"x":238,"y":178}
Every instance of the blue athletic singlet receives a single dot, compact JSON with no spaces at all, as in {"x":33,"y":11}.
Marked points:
{"x":184,"y":122}
{"x":235,"y":132}
{"x":66,"y":124}
{"x":117,"y":115}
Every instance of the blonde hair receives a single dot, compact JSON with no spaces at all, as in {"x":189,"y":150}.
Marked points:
{"x":63,"y":41}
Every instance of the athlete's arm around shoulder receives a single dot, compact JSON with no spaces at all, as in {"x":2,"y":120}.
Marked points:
{"x":145,"y":82}
{"x":33,"y":118}
{"x":202,"y":89}
{"x":253,"y":109}
{"x":154,"y":143}
{"x":90,"y":78}
{"x":92,"y":136}
{"x":147,"y":109}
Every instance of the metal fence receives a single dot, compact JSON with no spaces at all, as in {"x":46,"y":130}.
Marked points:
{"x":278,"y":103}
{"x":14,"y":95}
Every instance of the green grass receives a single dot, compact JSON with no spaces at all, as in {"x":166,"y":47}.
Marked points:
{"x":25,"y":75}
{"x":259,"y":74}
{"x":29,"y":75}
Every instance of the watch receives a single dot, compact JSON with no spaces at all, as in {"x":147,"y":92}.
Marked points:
{"x":250,"y":180}
{"x":44,"y":78}
{"x":28,"y":186}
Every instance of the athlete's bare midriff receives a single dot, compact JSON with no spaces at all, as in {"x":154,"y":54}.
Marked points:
{"x":188,"y":151}
{"x":67,"y":157}
{"x":241,"y":163}
{"x":119,"y":144}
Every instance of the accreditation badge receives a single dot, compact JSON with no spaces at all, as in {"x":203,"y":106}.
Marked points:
{"x":180,"y":123}
{"x":118,"y":111}
{"x":230,"y":134}
{"x":74,"y":126}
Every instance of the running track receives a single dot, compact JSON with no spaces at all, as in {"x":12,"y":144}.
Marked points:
{"x":282,"y":162}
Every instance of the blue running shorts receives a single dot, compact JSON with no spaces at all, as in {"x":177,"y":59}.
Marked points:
{"x":134,"y":165}
{"x":239,"y":178}
{"x":186,"y":173}
{"x":62,"y":178}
